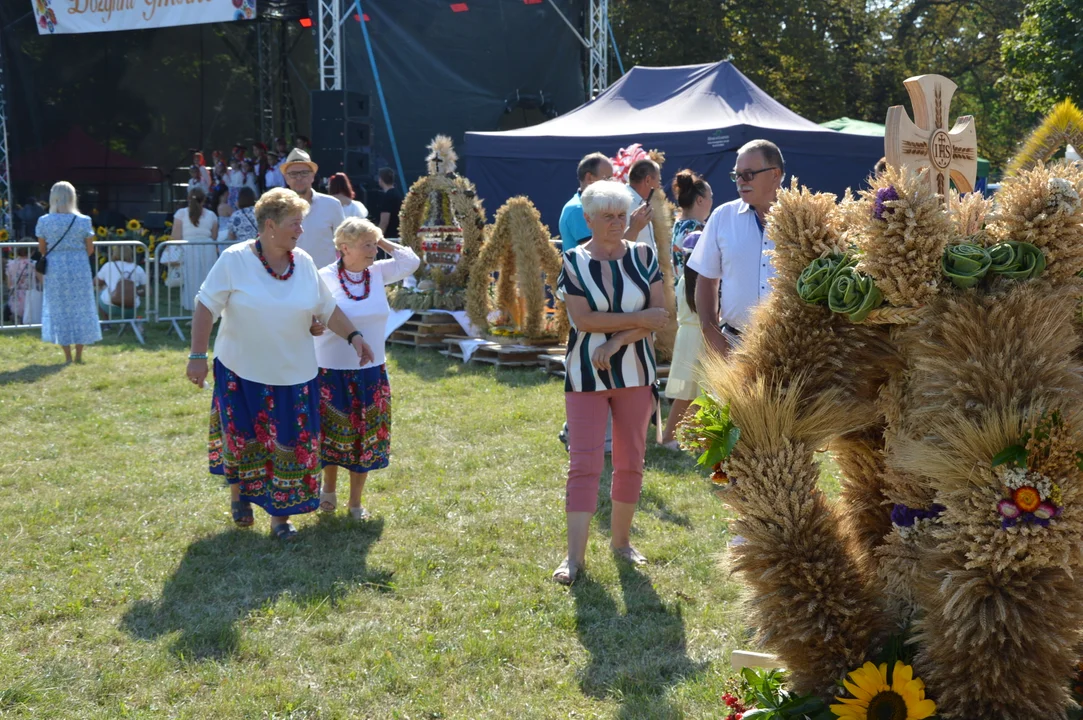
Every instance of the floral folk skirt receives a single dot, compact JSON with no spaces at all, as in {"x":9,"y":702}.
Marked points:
{"x":266,"y":437}
{"x":355,"y":418}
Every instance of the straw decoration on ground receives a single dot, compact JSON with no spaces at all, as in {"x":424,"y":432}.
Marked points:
{"x":519,"y":246}
{"x":808,"y":596}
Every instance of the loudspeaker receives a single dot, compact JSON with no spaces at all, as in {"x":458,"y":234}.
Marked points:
{"x":358,"y":163}
{"x":355,"y":163}
{"x":339,"y":105}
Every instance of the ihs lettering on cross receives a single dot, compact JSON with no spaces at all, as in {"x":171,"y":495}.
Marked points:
{"x":948,"y":154}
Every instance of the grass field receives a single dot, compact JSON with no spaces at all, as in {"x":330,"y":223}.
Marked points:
{"x":126,"y":592}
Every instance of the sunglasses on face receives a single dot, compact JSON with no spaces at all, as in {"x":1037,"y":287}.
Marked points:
{"x":747,"y":175}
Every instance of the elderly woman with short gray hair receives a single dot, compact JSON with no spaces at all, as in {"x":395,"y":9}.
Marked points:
{"x":614,"y":293}
{"x":265,"y":414}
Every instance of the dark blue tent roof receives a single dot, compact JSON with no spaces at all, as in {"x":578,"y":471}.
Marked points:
{"x":698,"y":115}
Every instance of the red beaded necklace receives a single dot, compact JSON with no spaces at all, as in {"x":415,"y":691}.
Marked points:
{"x":344,"y":278}
{"x":267,"y":265}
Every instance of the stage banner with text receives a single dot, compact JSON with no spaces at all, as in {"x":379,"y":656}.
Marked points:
{"x":85,"y":16}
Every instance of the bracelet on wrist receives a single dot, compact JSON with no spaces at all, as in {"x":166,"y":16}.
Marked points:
{"x":197,"y":356}
{"x":351,"y":336}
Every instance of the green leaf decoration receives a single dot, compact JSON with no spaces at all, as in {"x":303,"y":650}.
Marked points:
{"x":814,"y":284}
{"x":854,"y":294}
{"x":1013,"y":454}
{"x":718,"y":435}
{"x":965,"y":265}
{"x":1017,"y":260}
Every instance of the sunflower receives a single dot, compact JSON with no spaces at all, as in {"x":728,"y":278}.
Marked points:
{"x":133,"y":224}
{"x":169,"y":223}
{"x":3,"y":235}
{"x":120,"y":232}
{"x":875,"y":699}
{"x":102,"y":231}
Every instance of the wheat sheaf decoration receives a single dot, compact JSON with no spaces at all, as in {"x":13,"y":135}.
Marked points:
{"x":1062,"y":126}
{"x":439,"y":205}
{"x":519,"y":247}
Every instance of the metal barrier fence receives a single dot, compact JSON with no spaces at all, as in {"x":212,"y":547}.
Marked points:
{"x":22,"y":290}
{"x":186,"y":264}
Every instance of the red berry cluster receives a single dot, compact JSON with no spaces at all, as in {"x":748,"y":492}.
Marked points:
{"x":736,"y":707}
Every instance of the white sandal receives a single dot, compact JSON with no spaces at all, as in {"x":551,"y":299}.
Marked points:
{"x":360,"y":514}
{"x":328,"y":502}
{"x":565,"y":574}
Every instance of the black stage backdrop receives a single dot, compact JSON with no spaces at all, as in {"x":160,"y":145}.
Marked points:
{"x":132,"y":98}
{"x":144,"y":97}
{"x":447,"y":72}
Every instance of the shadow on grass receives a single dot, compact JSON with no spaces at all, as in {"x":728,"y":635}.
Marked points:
{"x":649,"y":502}
{"x":431,"y":365}
{"x":223,"y":578}
{"x":637,"y":655}
{"x":30,"y":373}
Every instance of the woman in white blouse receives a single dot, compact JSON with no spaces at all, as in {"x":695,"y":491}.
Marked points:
{"x":195,"y":224}
{"x":355,"y":405}
{"x":265,"y":417}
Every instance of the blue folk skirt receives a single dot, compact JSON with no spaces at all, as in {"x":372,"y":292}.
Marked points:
{"x":355,"y":418}
{"x":267,"y":438}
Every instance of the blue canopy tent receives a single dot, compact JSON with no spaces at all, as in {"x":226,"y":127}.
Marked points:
{"x":698,"y":115}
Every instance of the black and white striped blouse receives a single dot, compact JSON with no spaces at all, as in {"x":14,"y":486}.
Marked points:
{"x":622,"y":285}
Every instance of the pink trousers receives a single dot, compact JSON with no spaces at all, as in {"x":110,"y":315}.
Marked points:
{"x":588,"y":413}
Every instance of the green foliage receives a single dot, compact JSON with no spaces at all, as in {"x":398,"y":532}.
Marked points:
{"x":1043,"y":55}
{"x":710,"y":431}
{"x":829,"y":58}
{"x":764,"y":691}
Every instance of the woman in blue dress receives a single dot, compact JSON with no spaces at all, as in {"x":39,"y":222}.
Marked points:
{"x":69,"y":310}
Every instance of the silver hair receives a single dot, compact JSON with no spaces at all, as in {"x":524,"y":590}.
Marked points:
{"x":606,"y":195}
{"x":62,"y":198}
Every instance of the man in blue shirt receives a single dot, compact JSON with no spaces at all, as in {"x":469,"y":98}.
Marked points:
{"x":573,"y":226}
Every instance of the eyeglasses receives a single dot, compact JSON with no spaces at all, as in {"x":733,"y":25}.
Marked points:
{"x":298,"y":174}
{"x":747,"y":175}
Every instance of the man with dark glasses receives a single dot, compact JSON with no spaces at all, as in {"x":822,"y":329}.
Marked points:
{"x":731,"y":256}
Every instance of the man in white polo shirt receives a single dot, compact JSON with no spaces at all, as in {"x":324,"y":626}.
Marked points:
{"x":731,"y":256}
{"x":324,"y":214}
{"x":644,"y":176}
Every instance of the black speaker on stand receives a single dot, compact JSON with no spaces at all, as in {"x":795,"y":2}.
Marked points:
{"x":342,"y":135}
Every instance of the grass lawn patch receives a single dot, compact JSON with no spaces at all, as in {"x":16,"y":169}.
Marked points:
{"x":128,"y":593}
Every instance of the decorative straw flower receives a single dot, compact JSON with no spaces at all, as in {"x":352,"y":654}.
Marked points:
{"x":814,"y":284}
{"x":1062,"y":196}
{"x":1017,"y":260}
{"x":965,"y":265}
{"x":854,"y":294}
{"x":884,"y":195}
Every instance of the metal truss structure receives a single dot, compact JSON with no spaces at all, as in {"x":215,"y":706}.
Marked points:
{"x":6,"y":207}
{"x":329,"y":43}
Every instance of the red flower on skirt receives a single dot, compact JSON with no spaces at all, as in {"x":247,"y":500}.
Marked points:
{"x":357,"y":422}
{"x":231,"y":385}
{"x":382,"y":433}
{"x":269,"y":469}
{"x":310,"y":483}
{"x":382,"y":403}
{"x":280,"y":496}
{"x":325,"y":393}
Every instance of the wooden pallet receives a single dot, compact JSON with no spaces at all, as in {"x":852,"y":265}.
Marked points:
{"x":425,"y":329}
{"x":502,"y":354}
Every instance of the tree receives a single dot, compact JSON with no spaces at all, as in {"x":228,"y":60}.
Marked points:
{"x":1044,"y":54}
